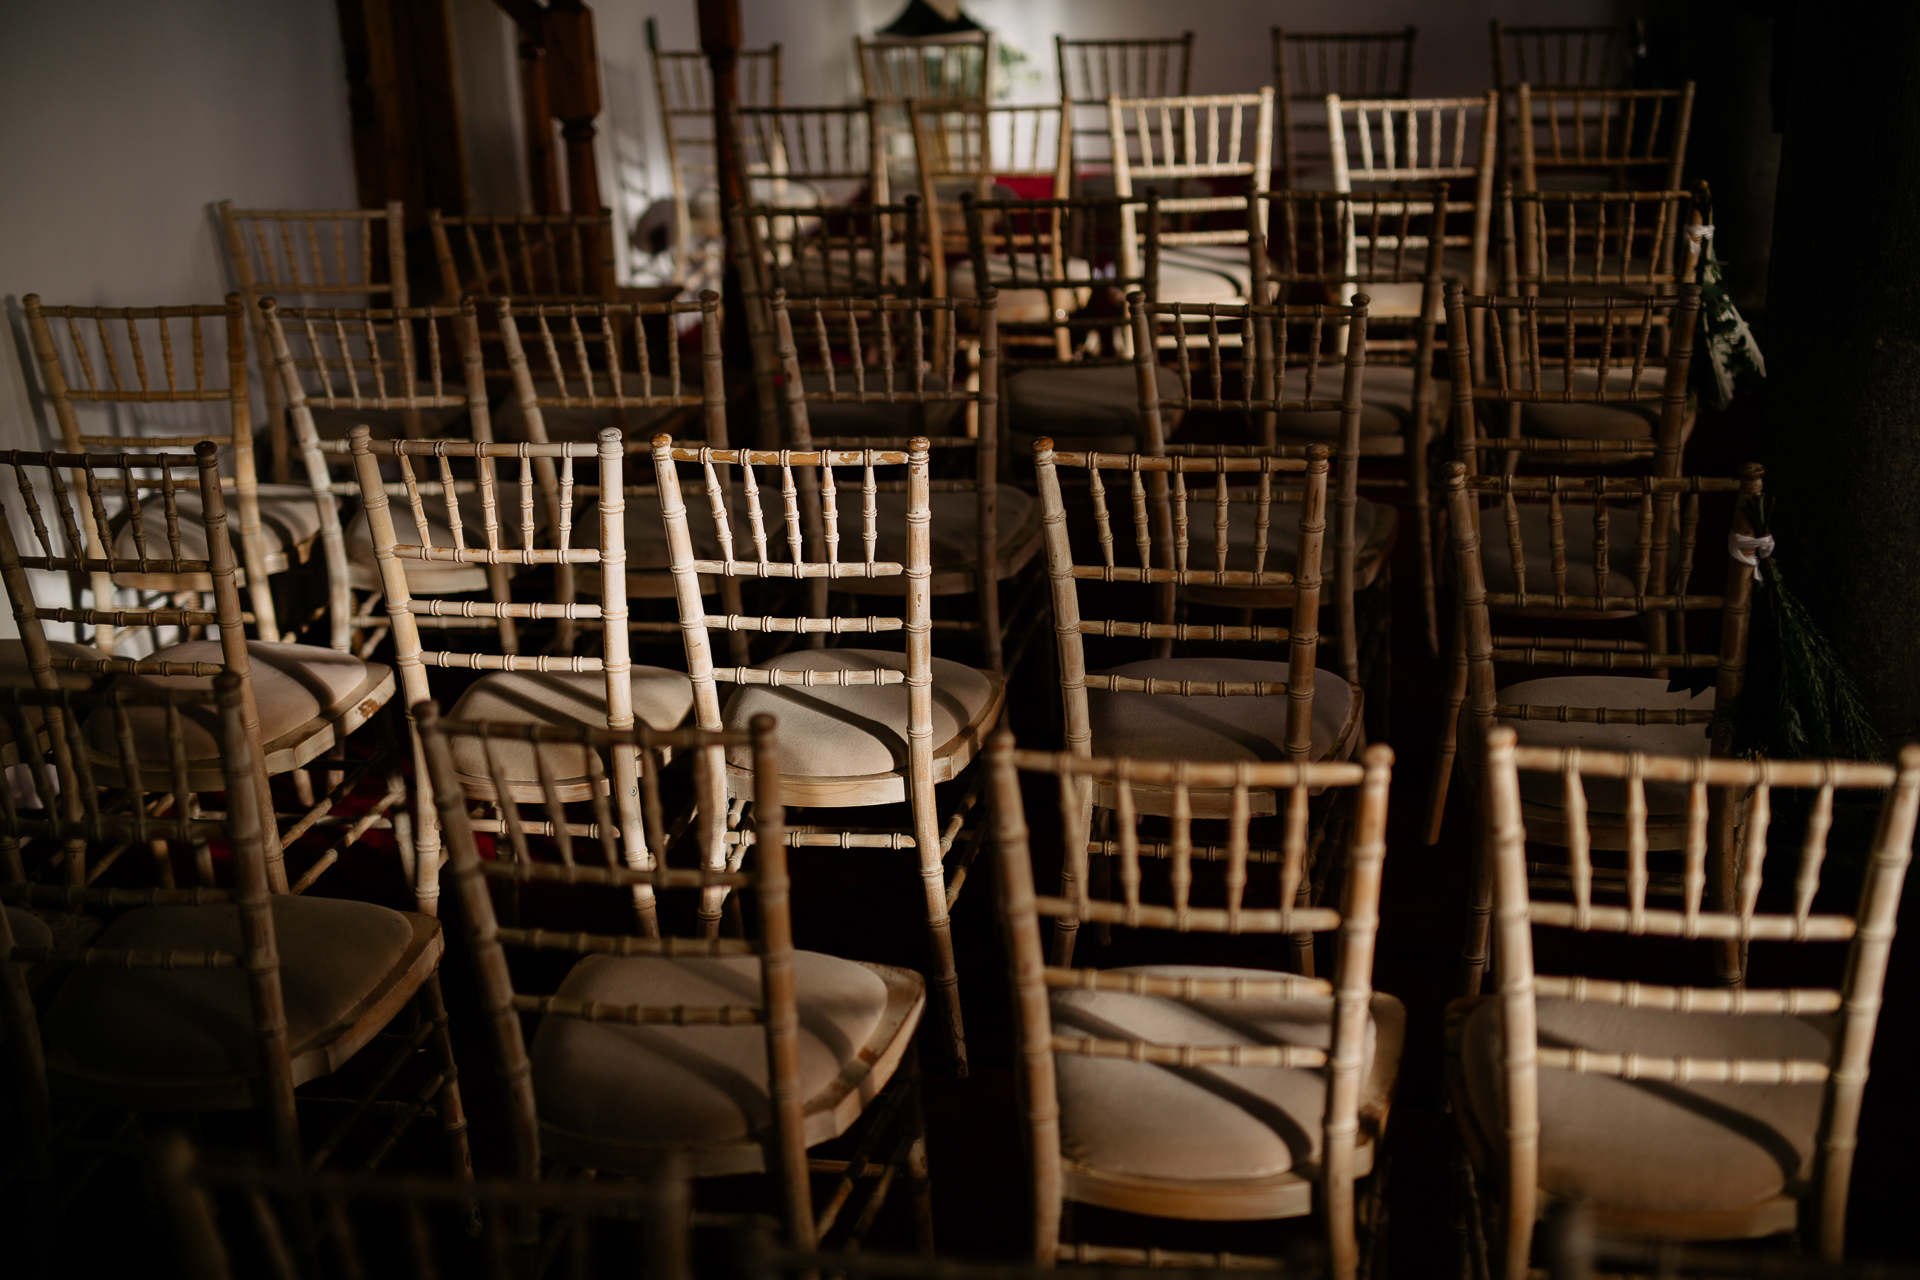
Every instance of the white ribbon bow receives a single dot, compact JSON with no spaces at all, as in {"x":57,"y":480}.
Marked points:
{"x":1701,"y":233}
{"x":1750,"y":551}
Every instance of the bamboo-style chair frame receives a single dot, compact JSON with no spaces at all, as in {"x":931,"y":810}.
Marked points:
{"x":1091,"y":71}
{"x":897,"y":69}
{"x":1662,"y":592}
{"x":835,"y":152}
{"x":530,"y":257}
{"x":1731,"y":914}
{"x":382,"y":360}
{"x":683,"y":86}
{"x":1351,"y":1134}
{"x":32,"y":472}
{"x":1586,"y":242}
{"x":300,"y":268}
{"x":1353,"y":64}
{"x":155,"y":809}
{"x":759,"y":556}
{"x":109,"y":325}
{"x":900,"y":336}
{"x":1162,"y":141}
{"x":1595,"y":57}
{"x":962,"y":145}
{"x":1637,"y":137}
{"x":782,"y":1149}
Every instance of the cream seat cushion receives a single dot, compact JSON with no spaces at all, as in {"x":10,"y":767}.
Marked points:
{"x":1536,"y":548}
{"x":308,"y":695}
{"x":661,"y":700}
{"x":694,"y":1086}
{"x":1608,"y":795}
{"x":1204,"y":273}
{"x":1202,"y":1123}
{"x":1023,"y":305}
{"x":1074,"y":402}
{"x":1161,"y":726}
{"x":834,"y":731}
{"x":583,"y":424}
{"x":441,"y":577}
{"x":1668,"y":1148}
{"x":180,"y":1023}
{"x":289,"y":522}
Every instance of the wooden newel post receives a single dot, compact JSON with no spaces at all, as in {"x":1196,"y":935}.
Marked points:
{"x":720,"y":40}
{"x":573,"y":89}
{"x":543,"y":158}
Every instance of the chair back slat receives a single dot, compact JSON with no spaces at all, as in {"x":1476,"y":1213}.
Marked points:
{"x":1309,"y":65}
{"x":1192,"y":141}
{"x":793,"y":155}
{"x":895,"y":69}
{"x":533,"y":258}
{"x":1638,"y":137}
{"x":1565,"y":57}
{"x":683,"y":86}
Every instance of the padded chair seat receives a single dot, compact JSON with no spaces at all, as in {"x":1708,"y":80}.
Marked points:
{"x":835,"y":739}
{"x":1659,"y":1147}
{"x":605,"y":1086}
{"x":954,"y":542}
{"x":28,"y":929}
{"x":1621,"y":420}
{"x":661,"y":700}
{"x":578,"y":425}
{"x":109,"y":1028}
{"x":1023,"y":305}
{"x":1536,"y":546}
{"x":442,"y":577}
{"x":847,"y":418}
{"x":289,"y":522}
{"x":392,"y":424}
{"x":1214,"y":1123}
{"x":1608,"y":795}
{"x":1386,"y":407}
{"x":309,"y":698}
{"x":1083,"y":406}
{"x":1204,"y":273}
{"x":16,"y":673}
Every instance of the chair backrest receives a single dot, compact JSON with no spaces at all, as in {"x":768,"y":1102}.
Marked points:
{"x":151,"y":807}
{"x":530,"y":257}
{"x":901,"y":68}
{"x":1634,"y":138}
{"x":1164,"y":560}
{"x":99,"y":357}
{"x":557,"y":849}
{"x":1565,"y":351}
{"x":961,"y":146}
{"x":1197,"y":141}
{"x":810,"y":155}
{"x":382,"y":360}
{"x":683,"y":85}
{"x":1749,"y":793}
{"x":1091,"y":71}
{"x":1590,"y":241}
{"x":230,"y":1219}
{"x":1309,"y":65}
{"x":358,"y":253}
{"x":1077,"y":776}
{"x":1599,"y":57}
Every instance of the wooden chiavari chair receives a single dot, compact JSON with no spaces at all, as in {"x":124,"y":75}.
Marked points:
{"x":858,"y":370}
{"x":1067,"y":372}
{"x":866,"y":726}
{"x":1674,"y":1111}
{"x":896,"y":70}
{"x":1199,"y":1091}
{"x":970,"y":146}
{"x":1624,"y":139}
{"x":792,"y":157}
{"x":1188,"y":144}
{"x":225,"y":1222}
{"x":205,"y":999}
{"x":387,"y":369}
{"x":1091,"y":71}
{"x":684,"y":94}
{"x":310,"y":253}
{"x":529,"y":257}
{"x":86,"y":367}
{"x":738,"y":1053}
{"x":1309,"y":65}
{"x":300,"y":701}
{"x":1563,"y":567}
{"x":1598,"y":57}
{"x":1572,"y":243}
{"x":553,"y":688}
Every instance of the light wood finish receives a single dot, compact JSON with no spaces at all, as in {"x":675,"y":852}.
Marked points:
{"x":310,"y":253}
{"x":77,"y":480}
{"x":898,"y":351}
{"x":106,"y":363}
{"x":1636,"y":139}
{"x":1309,"y":65}
{"x":394,"y":363}
{"x":792,"y":156}
{"x":1509,"y":1154}
{"x":157,"y":811}
{"x":1356,"y":1108}
{"x":964,"y":145}
{"x":530,"y":257}
{"x":1596,"y":57}
{"x":787,"y":548}
{"x":1091,"y":71}
{"x":1661,"y":586}
{"x":1164,"y":560}
{"x":683,"y":86}
{"x":1196,"y":138}
{"x":535,"y":526}
{"x":1596,"y":242}
{"x":797,"y":1121}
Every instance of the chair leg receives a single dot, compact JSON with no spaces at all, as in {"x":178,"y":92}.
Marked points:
{"x":453,"y":1115}
{"x":1449,"y":733}
{"x":919,"y":1174}
{"x":1475,"y":955}
{"x":946,"y":977}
